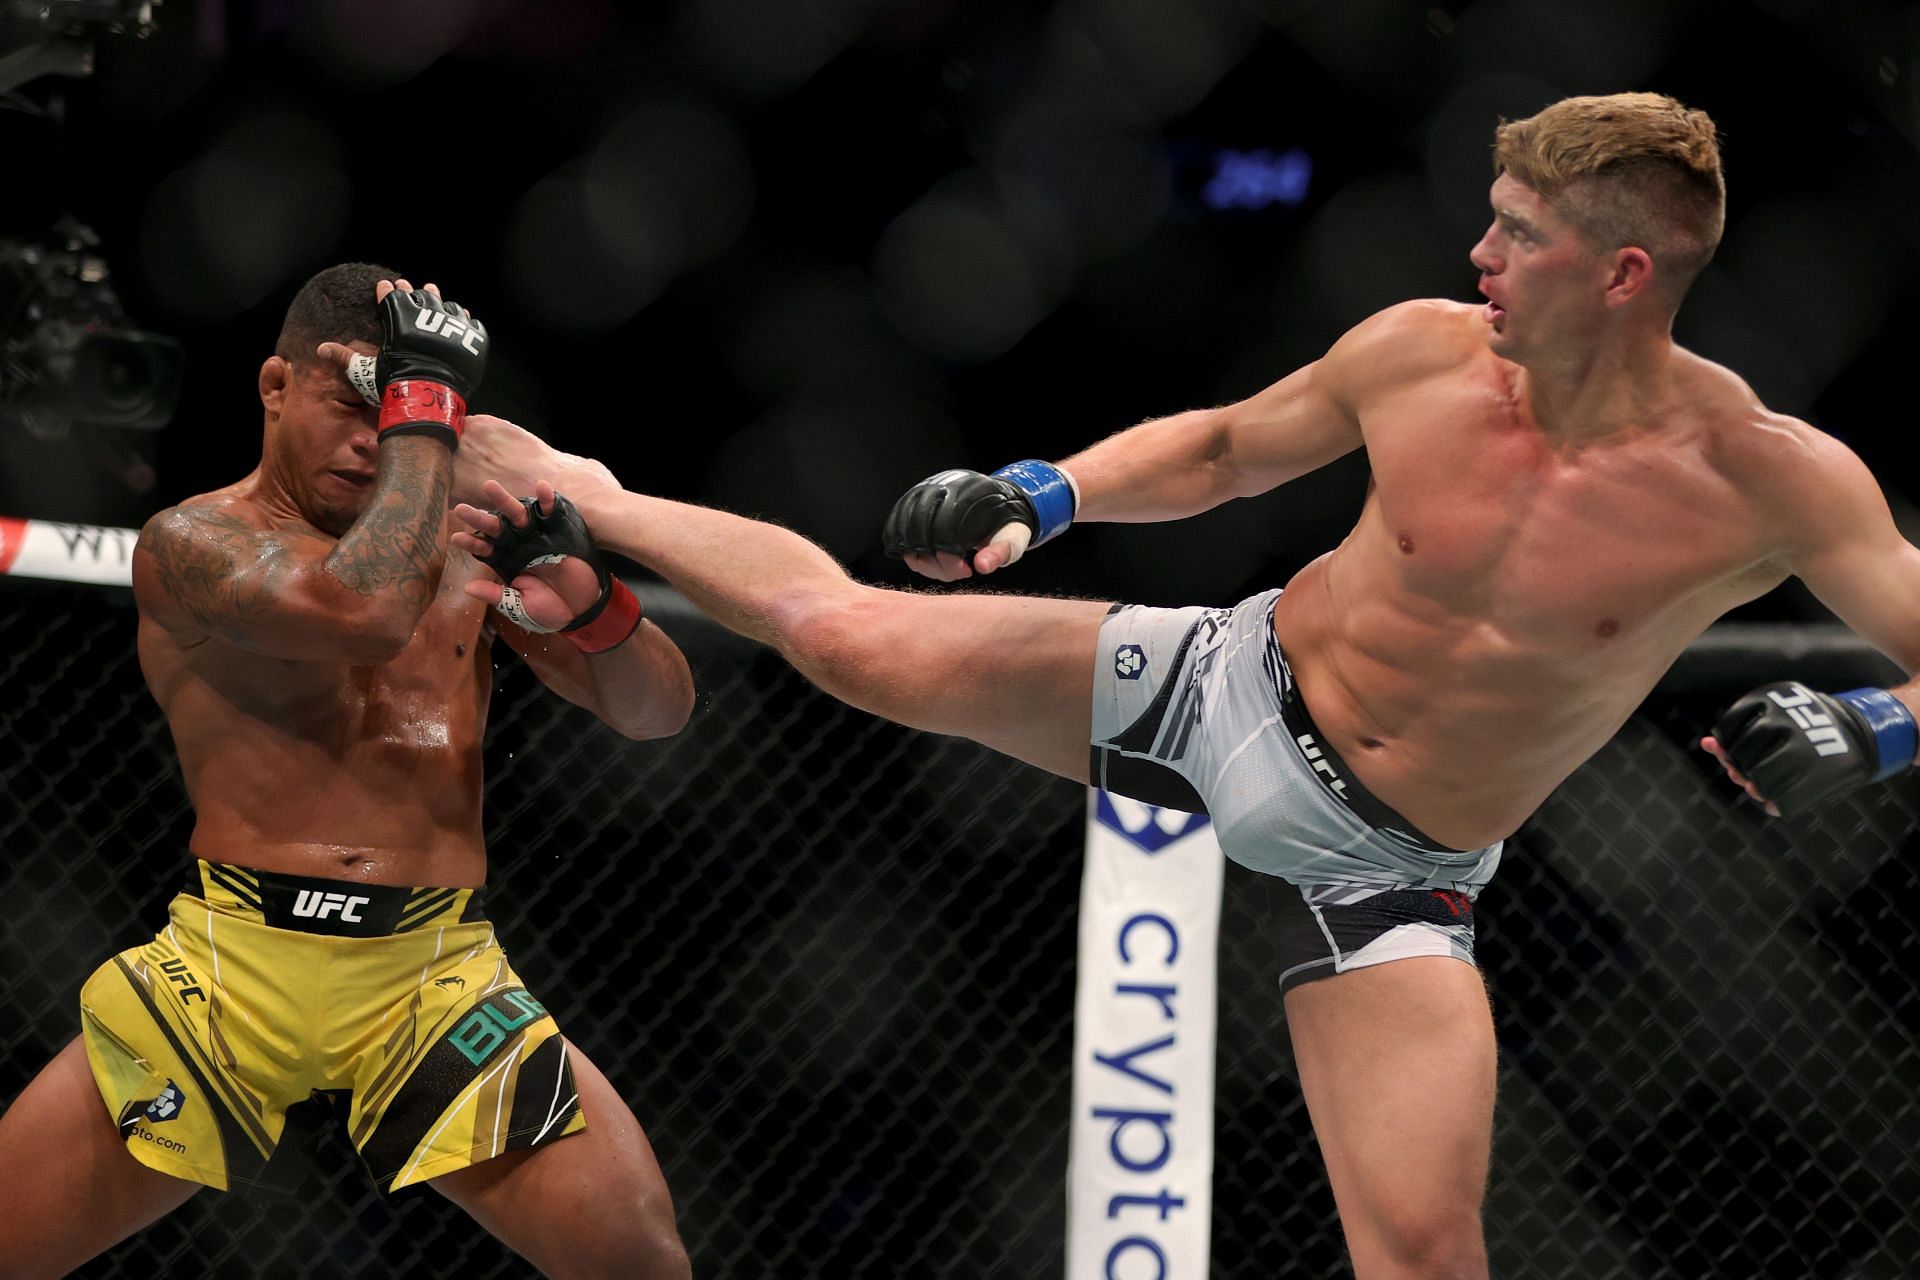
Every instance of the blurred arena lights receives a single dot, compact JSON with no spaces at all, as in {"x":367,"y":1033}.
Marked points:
{"x":957,"y":278}
{"x":564,"y":272}
{"x":1791,"y":302}
{"x":678,"y":170}
{"x":1579,"y":47}
{"x":374,"y":42}
{"x":1257,"y":179}
{"x":822,"y":332}
{"x":826,"y":463}
{"x":1155,"y":58}
{"x":262,"y":204}
{"x":1075,"y":176}
{"x":667,"y":187}
{"x":1377,"y":242}
{"x":770,"y":46}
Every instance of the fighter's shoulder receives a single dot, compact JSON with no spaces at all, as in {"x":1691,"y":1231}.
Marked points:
{"x":185,"y":549}
{"x":1772,"y":456}
{"x":1412,"y":339}
{"x":204,"y":513}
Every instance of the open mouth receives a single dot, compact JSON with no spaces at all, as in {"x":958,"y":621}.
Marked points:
{"x":1493,"y":310}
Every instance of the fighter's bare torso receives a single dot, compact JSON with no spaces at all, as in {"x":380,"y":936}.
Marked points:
{"x":328,"y":769}
{"x":1507,"y":599}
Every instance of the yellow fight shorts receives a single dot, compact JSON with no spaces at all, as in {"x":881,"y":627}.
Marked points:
{"x":265,"y":989}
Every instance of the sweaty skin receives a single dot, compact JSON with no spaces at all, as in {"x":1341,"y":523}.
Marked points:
{"x":323,"y":673}
{"x":1562,"y":499}
{"x":1503,"y":588}
{"x":363,"y":772}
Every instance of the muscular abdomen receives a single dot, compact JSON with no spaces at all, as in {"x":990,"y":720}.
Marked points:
{"x":363,"y":772}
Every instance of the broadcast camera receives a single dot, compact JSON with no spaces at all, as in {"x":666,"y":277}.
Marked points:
{"x":67,"y":352}
{"x":55,"y":37}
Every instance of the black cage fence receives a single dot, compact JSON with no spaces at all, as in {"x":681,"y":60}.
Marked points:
{"x":830,"y":963}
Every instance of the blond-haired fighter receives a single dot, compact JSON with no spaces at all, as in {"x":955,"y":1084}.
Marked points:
{"x":1562,"y":499}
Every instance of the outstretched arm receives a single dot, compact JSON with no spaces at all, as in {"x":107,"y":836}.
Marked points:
{"x":957,"y":523}
{"x":1171,"y":468}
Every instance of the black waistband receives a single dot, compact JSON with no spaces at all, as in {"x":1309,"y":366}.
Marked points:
{"x":1331,"y":771}
{"x":340,"y":908}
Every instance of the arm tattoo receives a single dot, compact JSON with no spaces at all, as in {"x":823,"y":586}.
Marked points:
{"x":227,"y":575}
{"x":395,"y":543}
{"x":219,"y":570}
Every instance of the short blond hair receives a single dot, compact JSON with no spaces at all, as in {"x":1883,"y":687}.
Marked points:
{"x":1626,"y":169}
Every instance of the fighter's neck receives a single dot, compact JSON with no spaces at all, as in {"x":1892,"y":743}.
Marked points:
{"x":268,"y":490}
{"x":1598,"y":392}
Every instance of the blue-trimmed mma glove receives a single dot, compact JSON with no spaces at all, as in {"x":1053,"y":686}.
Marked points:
{"x":548,"y":539}
{"x":432,"y":356}
{"x":1799,"y":747}
{"x":961,"y":512}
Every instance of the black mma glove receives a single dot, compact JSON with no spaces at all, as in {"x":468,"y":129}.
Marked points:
{"x":550,"y":538}
{"x":432,"y":355}
{"x":960,"y":511}
{"x":1799,"y":747}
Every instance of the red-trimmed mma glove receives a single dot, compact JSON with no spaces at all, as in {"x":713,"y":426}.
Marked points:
{"x":548,"y":539}
{"x":432,"y":355}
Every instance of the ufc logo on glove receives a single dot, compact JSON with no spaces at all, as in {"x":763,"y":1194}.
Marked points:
{"x":447,"y":326}
{"x":1804,"y":709}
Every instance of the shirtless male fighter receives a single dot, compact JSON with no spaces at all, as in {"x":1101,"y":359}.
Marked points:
{"x":1562,"y":499}
{"x":326,"y":681}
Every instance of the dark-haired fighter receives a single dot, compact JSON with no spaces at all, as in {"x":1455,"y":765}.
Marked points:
{"x":1562,"y":499}
{"x":326,"y":679}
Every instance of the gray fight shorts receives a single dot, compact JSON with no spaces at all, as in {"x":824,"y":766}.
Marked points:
{"x":1194,"y":709}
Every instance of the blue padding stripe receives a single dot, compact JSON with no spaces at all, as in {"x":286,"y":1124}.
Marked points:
{"x":1052,"y":496}
{"x":1894,"y":733}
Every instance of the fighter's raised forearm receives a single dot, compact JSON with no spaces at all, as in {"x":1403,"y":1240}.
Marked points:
{"x":294,"y":594}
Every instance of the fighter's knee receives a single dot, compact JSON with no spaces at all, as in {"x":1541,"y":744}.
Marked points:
{"x":835,"y":637}
{"x":655,"y":1255}
{"x":1422,"y":1243}
{"x":644,"y":1247}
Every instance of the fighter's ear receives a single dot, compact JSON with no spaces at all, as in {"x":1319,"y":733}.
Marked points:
{"x":1632,"y":275}
{"x":276,"y":375}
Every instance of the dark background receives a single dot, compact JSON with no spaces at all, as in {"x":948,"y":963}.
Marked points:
{"x":789,"y":257}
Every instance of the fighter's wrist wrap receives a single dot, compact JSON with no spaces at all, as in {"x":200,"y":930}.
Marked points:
{"x":545,"y":539}
{"x":1052,"y":492}
{"x":1895,"y":735}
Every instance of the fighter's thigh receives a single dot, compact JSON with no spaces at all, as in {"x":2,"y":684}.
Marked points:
{"x":591,"y":1205}
{"x":72,"y":1189}
{"x":1010,"y":672}
{"x":1397,"y":1063}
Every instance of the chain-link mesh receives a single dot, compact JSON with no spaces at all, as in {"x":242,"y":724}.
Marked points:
{"x":830,"y":964}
